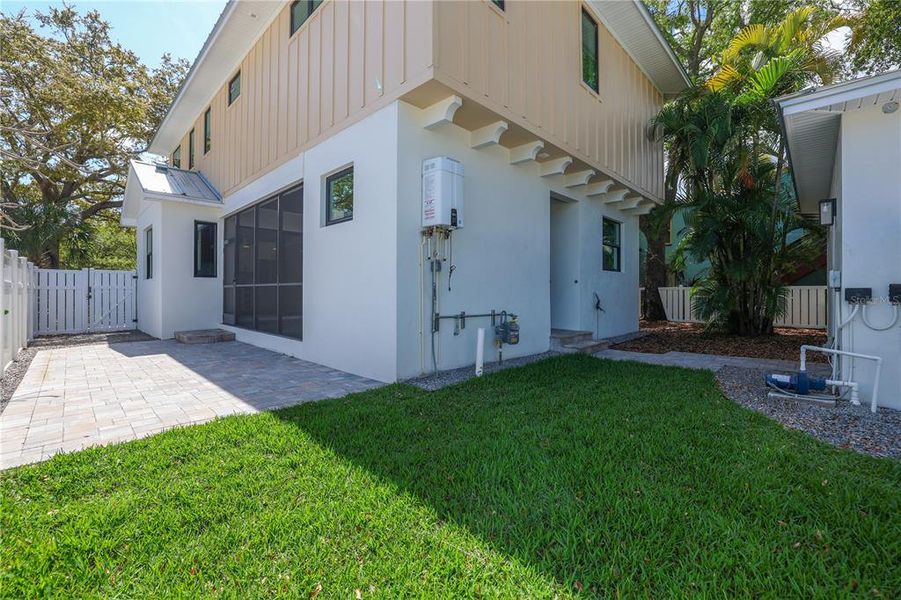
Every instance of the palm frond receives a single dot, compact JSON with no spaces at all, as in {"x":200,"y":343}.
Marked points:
{"x":726,"y":75}
{"x":752,"y":36}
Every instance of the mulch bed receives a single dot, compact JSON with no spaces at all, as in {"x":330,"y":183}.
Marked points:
{"x":16,"y":370}
{"x":664,"y":336}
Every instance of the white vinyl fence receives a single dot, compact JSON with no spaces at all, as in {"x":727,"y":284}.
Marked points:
{"x":37,"y":301}
{"x":16,"y":304}
{"x":805,"y":306}
{"x":93,"y":300}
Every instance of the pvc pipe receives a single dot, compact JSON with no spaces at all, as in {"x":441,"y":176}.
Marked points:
{"x":480,"y":351}
{"x":891,"y":324}
{"x":855,"y":398}
{"x":878,"y":360}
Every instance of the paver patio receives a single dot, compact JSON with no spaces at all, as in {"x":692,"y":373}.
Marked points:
{"x":75,"y":397}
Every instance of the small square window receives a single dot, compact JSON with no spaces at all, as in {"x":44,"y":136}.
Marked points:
{"x":204,"y":249}
{"x":339,"y":197}
{"x":148,"y":253}
{"x":191,"y":149}
{"x":611,"y":258}
{"x":301,"y":11}
{"x":207,"y":131}
{"x":589,"y":51}
{"x":234,"y":88}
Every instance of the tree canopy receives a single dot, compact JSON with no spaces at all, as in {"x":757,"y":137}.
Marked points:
{"x":727,"y":157}
{"x":76,"y":108}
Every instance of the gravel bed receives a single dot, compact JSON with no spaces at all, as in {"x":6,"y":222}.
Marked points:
{"x":13,"y":375}
{"x":441,"y":379}
{"x":844,"y":426}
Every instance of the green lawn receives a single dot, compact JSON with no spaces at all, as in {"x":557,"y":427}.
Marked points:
{"x":566,"y":477}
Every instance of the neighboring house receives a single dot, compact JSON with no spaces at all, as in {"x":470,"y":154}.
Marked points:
{"x":844,"y":142}
{"x":292,"y":211}
{"x":813,"y":273}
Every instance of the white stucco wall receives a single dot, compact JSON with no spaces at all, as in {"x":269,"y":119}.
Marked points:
{"x":149,"y":306}
{"x":173,"y":299}
{"x":502,"y":255}
{"x":366,"y":291}
{"x":349,"y":269}
{"x":196,"y":299}
{"x":867,"y":240}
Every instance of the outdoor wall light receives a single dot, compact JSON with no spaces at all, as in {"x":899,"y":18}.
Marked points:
{"x":889,"y":107}
{"x":827,"y":212}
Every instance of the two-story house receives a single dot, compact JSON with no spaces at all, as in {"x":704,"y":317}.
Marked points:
{"x":295,"y":212}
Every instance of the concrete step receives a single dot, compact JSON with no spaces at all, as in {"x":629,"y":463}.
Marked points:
{"x":204,"y":336}
{"x":586,"y":346}
{"x":563,"y":337}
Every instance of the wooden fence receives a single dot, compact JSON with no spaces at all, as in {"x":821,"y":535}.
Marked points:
{"x":805,"y":306}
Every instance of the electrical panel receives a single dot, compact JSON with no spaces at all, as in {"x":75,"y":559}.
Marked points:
{"x":442,"y":193}
{"x":858,"y":295}
{"x":894,"y":293}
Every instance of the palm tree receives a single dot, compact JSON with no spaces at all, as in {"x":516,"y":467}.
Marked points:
{"x":727,"y":157}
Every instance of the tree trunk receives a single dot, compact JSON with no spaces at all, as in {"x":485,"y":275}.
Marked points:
{"x":655,"y":268}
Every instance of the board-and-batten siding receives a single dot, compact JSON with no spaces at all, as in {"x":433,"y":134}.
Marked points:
{"x":296,"y":90}
{"x":525,"y":64}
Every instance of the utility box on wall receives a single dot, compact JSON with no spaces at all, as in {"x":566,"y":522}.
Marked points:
{"x":442,"y":192}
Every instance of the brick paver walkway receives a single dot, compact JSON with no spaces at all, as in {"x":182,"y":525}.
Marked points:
{"x":76,"y":397}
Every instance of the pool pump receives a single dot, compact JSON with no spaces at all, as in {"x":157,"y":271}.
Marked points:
{"x":799,"y":383}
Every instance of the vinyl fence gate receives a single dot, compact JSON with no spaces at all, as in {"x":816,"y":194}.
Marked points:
{"x":89,"y":300}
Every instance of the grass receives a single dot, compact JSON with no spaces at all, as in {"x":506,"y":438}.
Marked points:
{"x":571,"y":476}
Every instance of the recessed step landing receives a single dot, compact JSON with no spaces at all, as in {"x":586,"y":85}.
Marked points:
{"x":204,"y":336}
{"x":568,"y":340}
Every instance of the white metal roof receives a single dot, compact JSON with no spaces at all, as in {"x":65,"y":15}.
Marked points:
{"x":811,"y":121}
{"x":149,"y":181}
{"x":243,"y":21}
{"x":169,"y":181}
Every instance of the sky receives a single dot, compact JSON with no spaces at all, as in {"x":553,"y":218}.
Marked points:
{"x":148,"y":28}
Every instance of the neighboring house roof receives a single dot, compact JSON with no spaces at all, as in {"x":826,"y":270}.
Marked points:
{"x":242,"y":22}
{"x":811,"y":120}
{"x":161,"y":182}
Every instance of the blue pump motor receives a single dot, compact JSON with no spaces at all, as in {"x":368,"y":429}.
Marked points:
{"x":800,"y":383}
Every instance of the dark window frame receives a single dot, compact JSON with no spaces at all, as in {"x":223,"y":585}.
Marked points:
{"x":176,"y":157}
{"x":233,"y":287}
{"x":594,"y":86}
{"x":207,"y":130}
{"x":148,"y":253}
{"x":191,"y":149}
{"x":617,"y":246}
{"x":231,"y":82}
{"x":328,"y":204}
{"x":499,"y":4}
{"x":311,"y":6}
{"x":198,"y":271}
